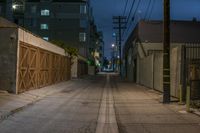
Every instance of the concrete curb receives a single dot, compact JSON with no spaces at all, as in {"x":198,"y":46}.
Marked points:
{"x":6,"y":115}
{"x":195,"y":111}
{"x":47,"y":91}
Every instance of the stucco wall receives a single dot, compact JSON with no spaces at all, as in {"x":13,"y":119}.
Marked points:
{"x":158,"y":71}
{"x":146,"y":71}
{"x":175,"y":68}
{"x":74,"y":67}
{"x":31,"y":39}
{"x":130,"y":65}
{"x":8,"y":59}
{"x":151,"y":71}
{"x":9,"y":53}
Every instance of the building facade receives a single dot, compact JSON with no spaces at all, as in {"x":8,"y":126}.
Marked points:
{"x":28,"y":61}
{"x":143,"y":55}
{"x":57,"y":20}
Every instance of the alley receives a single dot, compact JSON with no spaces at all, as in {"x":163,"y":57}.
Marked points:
{"x":102,"y":104}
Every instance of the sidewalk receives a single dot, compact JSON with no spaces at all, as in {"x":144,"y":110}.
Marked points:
{"x":158,"y":96}
{"x":139,"y":109}
{"x":12,"y":103}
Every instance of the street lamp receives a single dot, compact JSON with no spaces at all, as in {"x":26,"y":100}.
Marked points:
{"x":18,"y":5}
{"x":114,"y":34}
{"x":14,"y":6}
{"x":113,"y":45}
{"x":18,"y":9}
{"x":113,"y":56}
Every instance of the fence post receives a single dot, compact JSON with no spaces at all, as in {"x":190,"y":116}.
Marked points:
{"x":180,"y":94}
{"x":188,"y":99}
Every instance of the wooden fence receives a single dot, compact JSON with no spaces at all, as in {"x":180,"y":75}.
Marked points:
{"x":38,"y":68}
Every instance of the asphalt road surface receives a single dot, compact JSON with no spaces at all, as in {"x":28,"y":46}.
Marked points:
{"x":101,"y":104}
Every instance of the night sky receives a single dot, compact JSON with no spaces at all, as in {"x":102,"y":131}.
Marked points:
{"x":103,"y":11}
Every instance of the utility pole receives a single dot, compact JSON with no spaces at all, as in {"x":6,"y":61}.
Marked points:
{"x":119,"y":22}
{"x":166,"y":54}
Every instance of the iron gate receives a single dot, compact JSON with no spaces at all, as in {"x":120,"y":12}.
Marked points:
{"x":192,"y":72}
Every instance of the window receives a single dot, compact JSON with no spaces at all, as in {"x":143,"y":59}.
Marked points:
{"x":83,"y":9}
{"x":83,"y":23}
{"x":82,"y":37}
{"x":33,"y":22}
{"x":45,"y":12}
{"x":44,"y":26}
{"x":33,"y":9}
{"x":46,"y":38}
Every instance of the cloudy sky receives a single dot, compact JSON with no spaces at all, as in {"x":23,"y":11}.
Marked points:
{"x":103,"y":11}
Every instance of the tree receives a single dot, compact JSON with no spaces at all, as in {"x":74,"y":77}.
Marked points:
{"x":73,"y":52}
{"x":68,"y":49}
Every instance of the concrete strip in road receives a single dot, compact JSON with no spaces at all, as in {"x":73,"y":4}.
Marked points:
{"x":107,"y":120}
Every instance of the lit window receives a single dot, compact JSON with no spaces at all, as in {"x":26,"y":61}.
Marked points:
{"x":46,"y":38}
{"x":82,"y":37}
{"x":44,"y":27}
{"x":45,"y":12}
{"x":83,"y":9}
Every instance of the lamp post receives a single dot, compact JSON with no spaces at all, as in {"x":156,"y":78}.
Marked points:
{"x":116,"y":35}
{"x":113,"y":56}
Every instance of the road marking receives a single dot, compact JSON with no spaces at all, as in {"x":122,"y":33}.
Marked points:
{"x":107,"y":120}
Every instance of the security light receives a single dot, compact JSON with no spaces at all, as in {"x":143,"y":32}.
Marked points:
{"x":14,"y":6}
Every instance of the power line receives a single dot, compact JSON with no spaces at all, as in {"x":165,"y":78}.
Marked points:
{"x":151,"y":11}
{"x":133,"y":18}
{"x":125,"y":7}
{"x":148,"y":6}
{"x":130,"y":10}
{"x":129,"y":14}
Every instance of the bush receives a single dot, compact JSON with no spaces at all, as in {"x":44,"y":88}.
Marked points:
{"x":68,"y":49}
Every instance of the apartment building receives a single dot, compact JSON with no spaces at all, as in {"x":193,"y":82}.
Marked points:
{"x":58,"y":20}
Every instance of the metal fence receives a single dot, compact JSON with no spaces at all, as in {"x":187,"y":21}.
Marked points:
{"x":192,"y":72}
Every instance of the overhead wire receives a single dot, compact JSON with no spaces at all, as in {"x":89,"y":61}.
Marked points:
{"x":148,"y":7}
{"x":151,"y":10}
{"x":138,"y":4}
{"x":130,"y":11}
{"x":125,"y":7}
{"x":133,"y":18}
{"x":131,"y":22}
{"x":129,"y":14}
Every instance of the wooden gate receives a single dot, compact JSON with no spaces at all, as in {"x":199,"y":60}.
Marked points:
{"x":39,"y":68}
{"x":44,"y":68}
{"x":27,"y":68}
